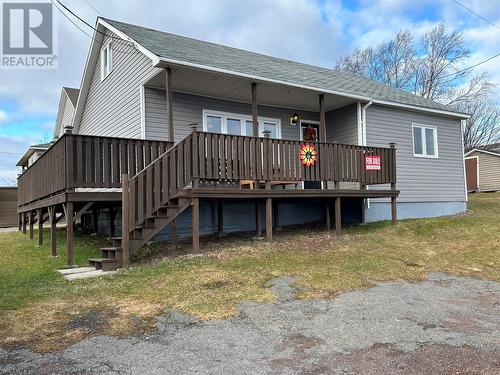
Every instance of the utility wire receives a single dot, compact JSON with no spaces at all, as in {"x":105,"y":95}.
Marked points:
{"x":10,"y":153}
{"x":90,"y":5}
{"x":477,"y":15}
{"x":128,"y":43}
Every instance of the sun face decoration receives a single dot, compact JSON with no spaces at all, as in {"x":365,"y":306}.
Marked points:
{"x":308,"y":155}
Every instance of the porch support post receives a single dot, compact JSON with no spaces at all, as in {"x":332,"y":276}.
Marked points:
{"x":195,"y":205}
{"x":32,"y":218}
{"x":254,"y":110}
{"x":39,"y":214}
{"x":24,"y":217}
{"x":69,"y":232}
{"x":125,"y":221}
{"x":338,"y":213}
{"x":322,"y":118}
{"x":170,"y":113}
{"x":19,"y":222}
{"x":269,"y":218}
{"x":53,"y":230}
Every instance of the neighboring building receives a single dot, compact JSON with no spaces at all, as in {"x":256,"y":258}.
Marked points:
{"x":141,"y":86}
{"x":65,"y":111}
{"x":483,"y":170}
{"x":64,"y":120}
{"x":31,"y":155}
{"x":8,"y":207}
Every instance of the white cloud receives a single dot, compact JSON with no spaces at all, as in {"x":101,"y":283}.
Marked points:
{"x":3,"y":116}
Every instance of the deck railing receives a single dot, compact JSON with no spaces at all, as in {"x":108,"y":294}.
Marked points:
{"x":83,"y":161}
{"x":218,"y":157}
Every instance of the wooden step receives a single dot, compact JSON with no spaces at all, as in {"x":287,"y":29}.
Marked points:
{"x":111,"y":252}
{"x":117,"y":241}
{"x":104,"y":264}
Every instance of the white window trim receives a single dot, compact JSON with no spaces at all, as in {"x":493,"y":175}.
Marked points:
{"x":110,"y":61}
{"x":424,"y":141}
{"x":238,"y":116}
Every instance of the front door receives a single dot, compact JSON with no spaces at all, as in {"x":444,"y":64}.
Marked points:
{"x":309,"y":132}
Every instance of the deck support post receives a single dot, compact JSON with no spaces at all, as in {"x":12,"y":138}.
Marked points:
{"x":269,"y":219}
{"x":19,"y":222}
{"x":32,"y":219}
{"x":24,"y":218}
{"x":220,"y":217}
{"x":173,"y":230}
{"x":363,"y":208}
{"x":338,"y":213}
{"x":53,"y":230}
{"x":170,"y":113}
{"x":69,"y":232}
{"x":195,"y":205}
{"x":39,"y":215}
{"x":327,"y":215}
{"x":258,"y":229}
{"x":125,"y":221}
{"x":394,"y":210}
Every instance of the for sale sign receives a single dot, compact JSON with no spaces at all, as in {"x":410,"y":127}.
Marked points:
{"x":372,"y":163}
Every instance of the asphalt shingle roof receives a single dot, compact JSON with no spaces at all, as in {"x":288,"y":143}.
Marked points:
{"x":72,"y":94}
{"x":193,"y":51}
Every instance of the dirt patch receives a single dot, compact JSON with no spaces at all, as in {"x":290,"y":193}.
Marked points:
{"x":92,"y":321}
{"x":433,"y":359}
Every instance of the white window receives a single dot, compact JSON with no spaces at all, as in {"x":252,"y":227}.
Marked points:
{"x":106,"y":61}
{"x":425,"y":143}
{"x":238,"y":124}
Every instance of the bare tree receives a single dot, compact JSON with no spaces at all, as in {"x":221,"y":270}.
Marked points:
{"x":433,"y":69}
{"x":392,"y":63}
{"x":482,"y":129}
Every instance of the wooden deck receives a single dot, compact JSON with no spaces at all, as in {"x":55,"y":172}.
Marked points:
{"x":153,"y":182}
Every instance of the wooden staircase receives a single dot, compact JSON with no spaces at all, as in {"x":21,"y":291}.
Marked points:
{"x":150,"y":203}
{"x":112,"y":257}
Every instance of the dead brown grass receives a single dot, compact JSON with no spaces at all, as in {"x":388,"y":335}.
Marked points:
{"x":237,"y":269}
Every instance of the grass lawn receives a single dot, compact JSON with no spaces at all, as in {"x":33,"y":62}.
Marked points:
{"x":40,"y":309}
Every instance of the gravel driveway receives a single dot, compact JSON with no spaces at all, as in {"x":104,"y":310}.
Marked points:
{"x":442,"y":325}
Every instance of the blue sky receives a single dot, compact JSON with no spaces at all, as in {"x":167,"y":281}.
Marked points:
{"x":311,"y":31}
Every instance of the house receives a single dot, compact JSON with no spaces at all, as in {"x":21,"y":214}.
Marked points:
{"x":64,"y":120}
{"x":8,"y":207}
{"x":173,"y":136}
{"x":31,"y":155}
{"x":483,"y":169}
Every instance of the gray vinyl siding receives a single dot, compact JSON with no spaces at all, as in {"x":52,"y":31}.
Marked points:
{"x":188,"y":109}
{"x":342,"y":125}
{"x":67,"y":115}
{"x":113,"y":106}
{"x":489,"y":171}
{"x":420,"y":179}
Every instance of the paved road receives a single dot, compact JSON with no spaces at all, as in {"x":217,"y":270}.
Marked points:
{"x":442,"y":325}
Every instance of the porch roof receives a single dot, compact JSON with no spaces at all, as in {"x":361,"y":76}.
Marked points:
{"x":186,"y":51}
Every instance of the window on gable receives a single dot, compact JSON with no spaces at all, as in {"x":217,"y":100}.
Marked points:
{"x":425,"y":141}
{"x":106,"y":61}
